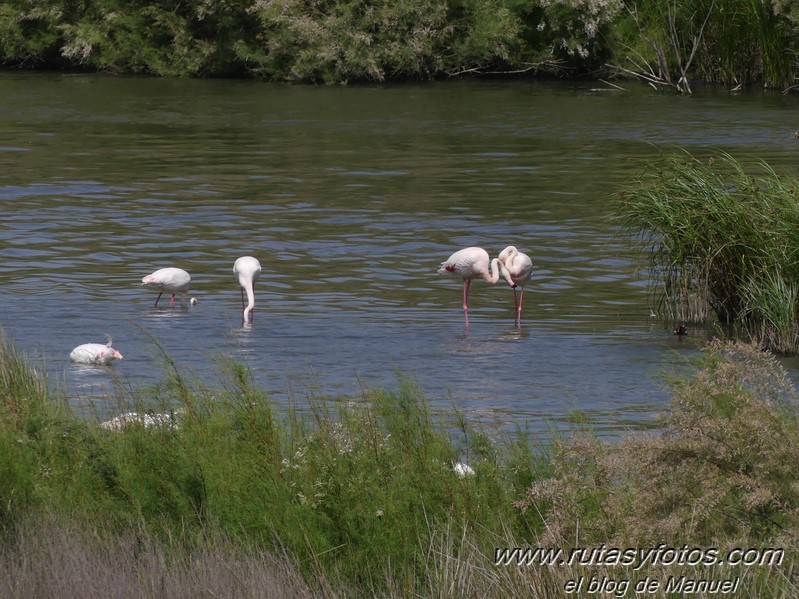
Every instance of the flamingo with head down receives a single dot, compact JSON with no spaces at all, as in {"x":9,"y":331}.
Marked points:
{"x":172,"y":280}
{"x":247,"y":269}
{"x":470,"y":263}
{"x":516,"y":270}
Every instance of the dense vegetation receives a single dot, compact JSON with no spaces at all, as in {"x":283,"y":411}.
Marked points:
{"x":720,"y":239}
{"x":664,"y":42}
{"x":226,"y":496}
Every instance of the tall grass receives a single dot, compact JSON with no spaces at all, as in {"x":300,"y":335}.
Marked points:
{"x":358,"y":497}
{"x":47,"y":556}
{"x":719,"y":239}
{"x":734,"y":42}
{"x":355,"y":488}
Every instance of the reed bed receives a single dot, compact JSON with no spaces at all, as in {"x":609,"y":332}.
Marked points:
{"x":360,"y":497}
{"x":721,"y":240}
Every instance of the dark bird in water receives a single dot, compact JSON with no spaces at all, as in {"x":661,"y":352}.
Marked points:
{"x":681,"y":330}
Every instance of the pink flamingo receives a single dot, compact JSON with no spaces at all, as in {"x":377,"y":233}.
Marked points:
{"x":470,"y":263}
{"x":247,"y":269}
{"x":172,"y":280}
{"x":516,"y":270}
{"x":95,"y":353}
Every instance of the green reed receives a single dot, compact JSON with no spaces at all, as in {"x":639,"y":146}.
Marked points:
{"x":719,"y":239}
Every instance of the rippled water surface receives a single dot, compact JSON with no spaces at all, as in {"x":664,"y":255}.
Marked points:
{"x":351,"y":197}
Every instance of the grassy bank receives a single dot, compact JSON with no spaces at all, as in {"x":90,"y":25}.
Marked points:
{"x":719,"y":239}
{"x":735,"y":42}
{"x":360,"y":497}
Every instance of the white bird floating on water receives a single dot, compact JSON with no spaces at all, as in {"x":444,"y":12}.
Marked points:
{"x":95,"y":353}
{"x":172,"y":280}
{"x":135,"y":419}
{"x":247,"y":269}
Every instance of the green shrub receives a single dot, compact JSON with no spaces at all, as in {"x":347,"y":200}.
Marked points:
{"x":719,"y":238}
{"x":721,"y":472}
{"x":734,"y":42}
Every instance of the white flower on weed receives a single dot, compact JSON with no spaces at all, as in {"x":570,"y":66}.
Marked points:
{"x":302,"y":498}
{"x":320,"y":485}
{"x":341,"y":438}
{"x":379,"y":514}
{"x":147,"y":420}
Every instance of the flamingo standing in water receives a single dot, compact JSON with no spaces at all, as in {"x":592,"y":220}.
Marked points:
{"x":172,"y":280}
{"x":470,"y":263}
{"x":95,"y":353}
{"x":516,"y":269}
{"x":247,"y":269}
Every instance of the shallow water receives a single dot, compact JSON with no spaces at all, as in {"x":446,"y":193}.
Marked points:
{"x":351,"y":197}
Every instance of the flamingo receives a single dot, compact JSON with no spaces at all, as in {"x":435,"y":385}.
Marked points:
{"x":470,"y":263}
{"x":247,"y":269}
{"x":95,"y":353}
{"x":516,"y":269}
{"x":172,"y":280}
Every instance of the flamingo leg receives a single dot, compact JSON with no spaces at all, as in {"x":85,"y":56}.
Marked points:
{"x":158,"y":298}
{"x":519,"y":309}
{"x":466,"y":284}
{"x":242,"y":299}
{"x":172,"y":301}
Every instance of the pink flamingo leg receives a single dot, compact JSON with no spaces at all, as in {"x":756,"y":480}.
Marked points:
{"x":158,"y":298}
{"x":519,"y":309}
{"x":466,"y":284}
{"x":172,"y":301}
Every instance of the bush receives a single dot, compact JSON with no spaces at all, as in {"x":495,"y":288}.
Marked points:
{"x":718,"y":238}
{"x":719,"y":474}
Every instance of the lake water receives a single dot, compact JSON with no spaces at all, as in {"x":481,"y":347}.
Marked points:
{"x":351,"y":197}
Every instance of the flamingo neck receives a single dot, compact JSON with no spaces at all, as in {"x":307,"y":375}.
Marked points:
{"x":494,"y":276}
{"x":506,"y":274}
{"x":248,"y":288}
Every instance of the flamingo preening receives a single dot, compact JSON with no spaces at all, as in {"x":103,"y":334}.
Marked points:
{"x":516,"y":269}
{"x":470,"y":263}
{"x":95,"y":353}
{"x":172,"y":280}
{"x":247,"y":269}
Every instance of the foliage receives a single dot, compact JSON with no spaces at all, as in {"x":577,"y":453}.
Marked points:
{"x":357,"y":488}
{"x":720,"y":473}
{"x":576,"y":31}
{"x":718,"y":237}
{"x":732,"y":42}
{"x":294,"y":40}
{"x":358,"y":496}
{"x":339,"y":41}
